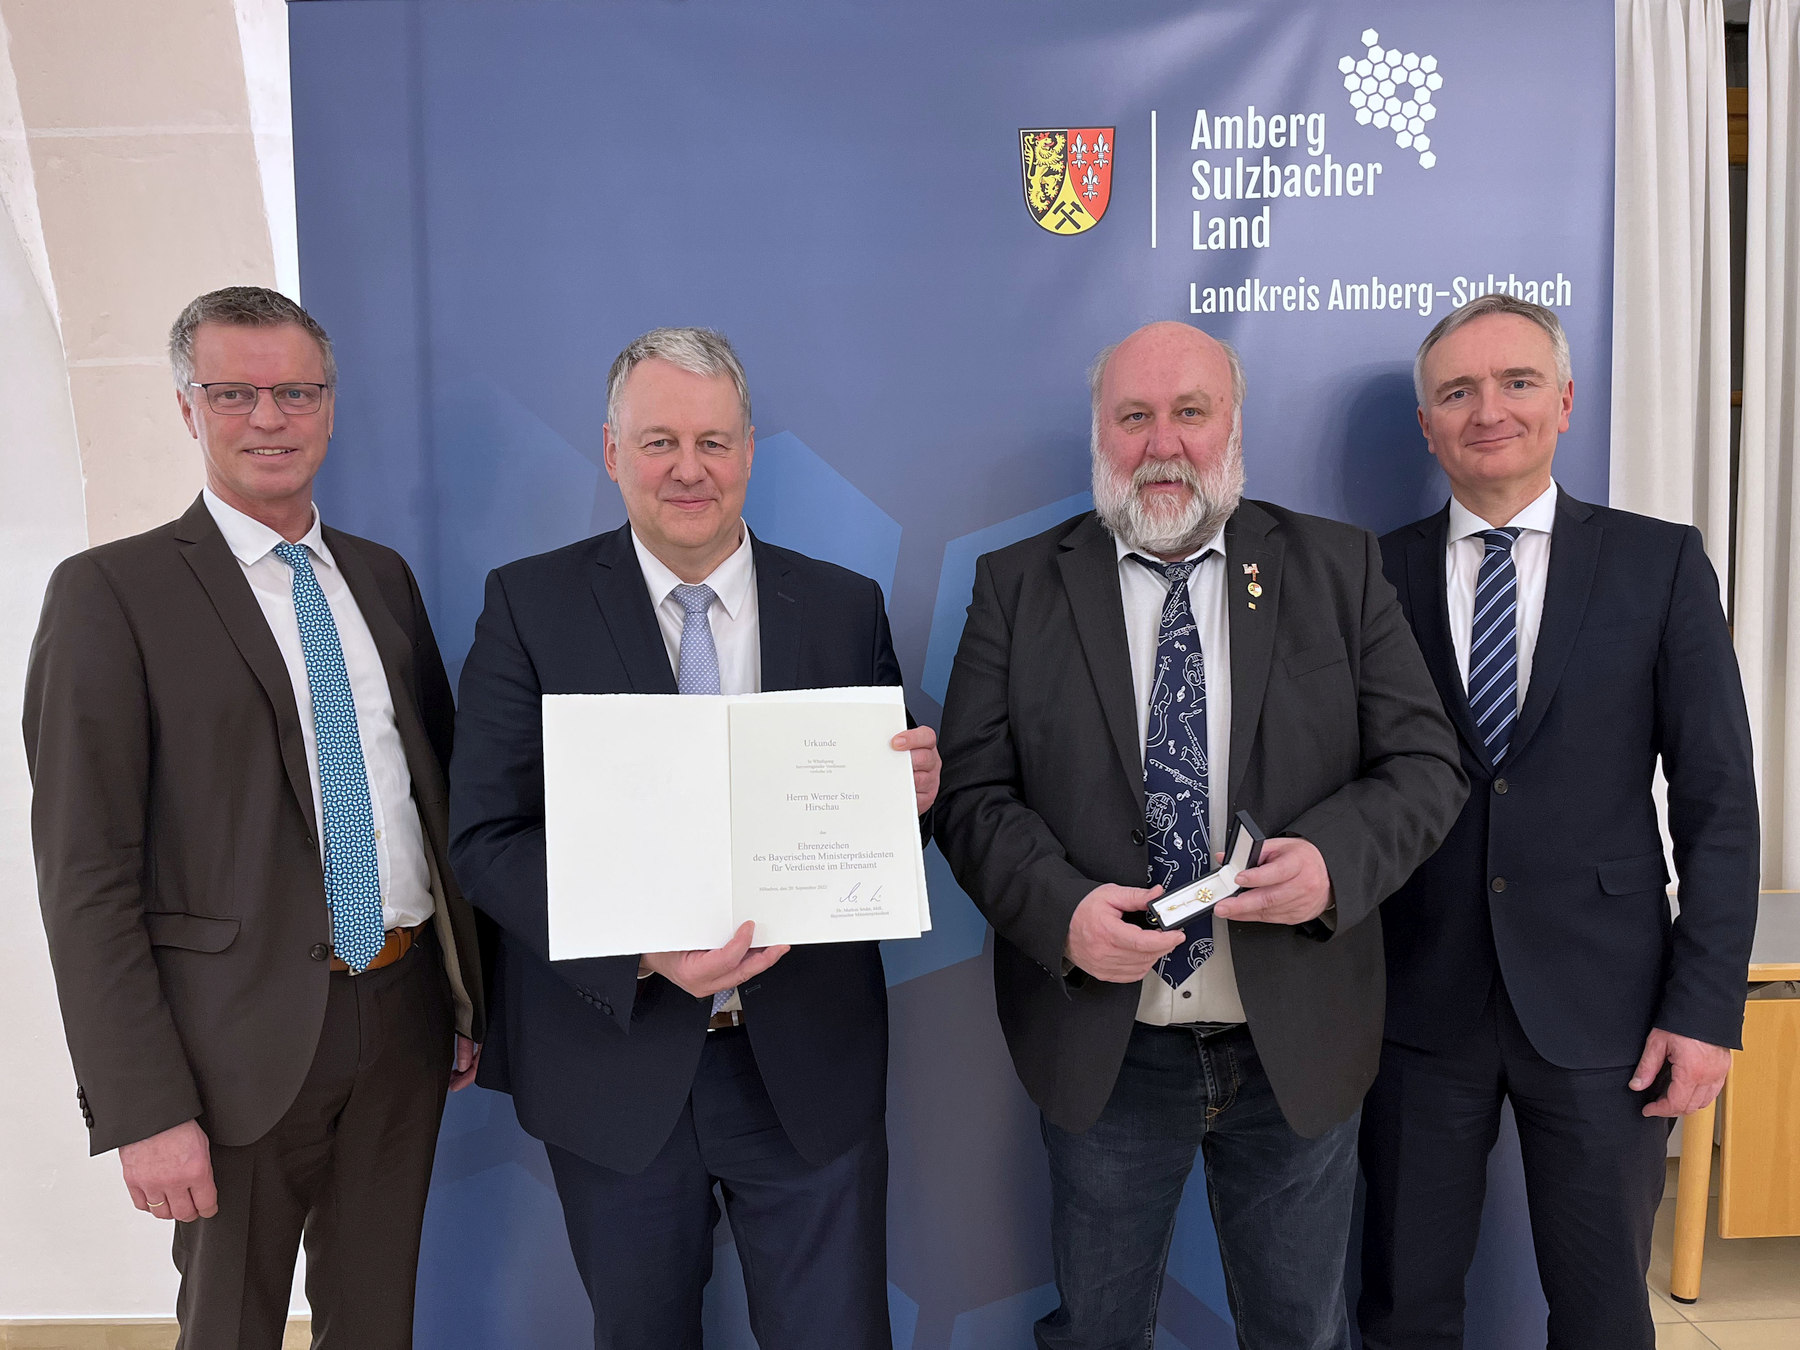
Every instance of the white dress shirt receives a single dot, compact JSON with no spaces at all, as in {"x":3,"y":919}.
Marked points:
{"x":737,"y":635}
{"x":1531,"y":562}
{"x":1210,"y":994}
{"x":734,"y":623}
{"x":399,"y":837}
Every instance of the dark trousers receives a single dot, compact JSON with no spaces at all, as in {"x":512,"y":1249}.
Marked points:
{"x":1593,"y":1178}
{"x":348,"y":1166}
{"x":812,"y":1237}
{"x":1281,"y":1204}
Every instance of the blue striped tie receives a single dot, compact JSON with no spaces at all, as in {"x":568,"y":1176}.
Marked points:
{"x":1494,"y":643}
{"x":352,"y":874}
{"x":697,"y":672}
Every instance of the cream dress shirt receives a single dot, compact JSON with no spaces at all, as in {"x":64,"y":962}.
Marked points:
{"x":1210,"y":994}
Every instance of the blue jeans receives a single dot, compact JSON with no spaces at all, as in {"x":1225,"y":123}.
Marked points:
{"x":1281,"y":1204}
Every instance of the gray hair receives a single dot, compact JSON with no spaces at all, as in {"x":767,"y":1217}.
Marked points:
{"x":699,"y":351}
{"x":241,"y":307}
{"x":1097,"y":374}
{"x":1496,"y":302}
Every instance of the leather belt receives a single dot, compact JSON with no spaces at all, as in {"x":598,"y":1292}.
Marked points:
{"x":720,"y":1021}
{"x":399,"y":943}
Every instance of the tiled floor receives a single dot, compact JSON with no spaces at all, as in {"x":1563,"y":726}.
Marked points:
{"x":1749,"y":1300}
{"x":1749,"y":1290}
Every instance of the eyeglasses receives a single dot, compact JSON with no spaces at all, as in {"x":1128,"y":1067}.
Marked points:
{"x":238,"y":400}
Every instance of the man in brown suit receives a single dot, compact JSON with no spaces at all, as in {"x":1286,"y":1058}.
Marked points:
{"x":237,"y":726}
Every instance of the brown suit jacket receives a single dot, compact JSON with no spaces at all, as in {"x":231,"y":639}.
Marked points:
{"x":172,"y":817}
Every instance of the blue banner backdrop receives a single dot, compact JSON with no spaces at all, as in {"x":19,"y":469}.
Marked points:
{"x":918,"y":223}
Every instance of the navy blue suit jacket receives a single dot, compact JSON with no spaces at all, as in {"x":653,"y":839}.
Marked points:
{"x":597,"y":1061}
{"x":1552,"y":878}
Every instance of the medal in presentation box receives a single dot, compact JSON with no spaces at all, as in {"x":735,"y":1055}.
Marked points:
{"x":1243,"y":850}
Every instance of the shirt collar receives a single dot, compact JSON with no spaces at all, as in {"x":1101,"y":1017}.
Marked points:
{"x":730,"y":580}
{"x":1214,"y":545}
{"x":1539,"y":516}
{"x":250,"y":540}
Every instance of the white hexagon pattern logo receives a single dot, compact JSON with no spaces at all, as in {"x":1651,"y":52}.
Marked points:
{"x":1395,"y":91}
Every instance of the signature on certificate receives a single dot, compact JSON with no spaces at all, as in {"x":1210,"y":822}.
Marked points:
{"x":856,"y":891}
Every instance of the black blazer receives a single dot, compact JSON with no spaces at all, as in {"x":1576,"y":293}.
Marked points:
{"x":597,"y":1061}
{"x":1553,"y":876}
{"x":1336,"y":736}
{"x":172,"y":816}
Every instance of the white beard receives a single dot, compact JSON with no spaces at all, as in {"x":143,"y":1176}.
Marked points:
{"x":1151,"y":526}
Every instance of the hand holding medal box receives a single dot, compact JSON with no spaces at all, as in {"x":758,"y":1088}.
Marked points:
{"x":1243,"y":850}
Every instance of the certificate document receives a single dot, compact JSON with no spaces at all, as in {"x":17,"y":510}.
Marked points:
{"x":670,"y":819}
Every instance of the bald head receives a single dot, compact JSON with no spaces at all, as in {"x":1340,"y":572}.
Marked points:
{"x":1168,"y":468}
{"x":1168,"y":340}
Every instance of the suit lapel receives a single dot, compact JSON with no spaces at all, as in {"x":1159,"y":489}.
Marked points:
{"x":628,"y":615}
{"x":395,"y":648}
{"x":1426,"y":580}
{"x":1574,"y":557}
{"x":222,"y":577}
{"x":780,"y":631}
{"x":1090,"y":572}
{"x":1249,"y":542}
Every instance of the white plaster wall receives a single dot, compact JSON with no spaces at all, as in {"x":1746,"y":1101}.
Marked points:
{"x":91,"y":447}
{"x":58,"y":1201}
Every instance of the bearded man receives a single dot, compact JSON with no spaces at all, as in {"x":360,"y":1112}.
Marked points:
{"x":1126,"y":683}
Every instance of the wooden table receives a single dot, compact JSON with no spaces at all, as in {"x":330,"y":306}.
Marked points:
{"x":1759,"y":1151}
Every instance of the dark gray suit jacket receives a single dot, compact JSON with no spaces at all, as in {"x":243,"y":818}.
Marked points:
{"x":1337,"y":736}
{"x":172,"y":816}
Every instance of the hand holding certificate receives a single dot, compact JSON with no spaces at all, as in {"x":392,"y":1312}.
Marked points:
{"x":672,"y":821}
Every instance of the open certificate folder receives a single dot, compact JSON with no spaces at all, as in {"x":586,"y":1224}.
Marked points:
{"x":672,"y":818}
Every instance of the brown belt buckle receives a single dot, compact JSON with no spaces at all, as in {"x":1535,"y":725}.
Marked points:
{"x":399,"y":942}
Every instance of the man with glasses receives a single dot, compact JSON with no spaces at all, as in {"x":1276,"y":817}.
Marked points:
{"x":238,"y":726}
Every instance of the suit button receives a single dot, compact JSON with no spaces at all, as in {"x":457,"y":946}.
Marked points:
{"x":1137,"y":836}
{"x":319,"y":951}
{"x":1497,"y":885}
{"x":1500,"y":786}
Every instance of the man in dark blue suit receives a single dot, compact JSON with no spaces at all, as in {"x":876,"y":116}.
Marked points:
{"x":651,"y":1079}
{"x":1533,"y":959}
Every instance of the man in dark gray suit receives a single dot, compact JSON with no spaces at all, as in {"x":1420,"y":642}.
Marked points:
{"x":237,"y":725}
{"x":1126,"y":683}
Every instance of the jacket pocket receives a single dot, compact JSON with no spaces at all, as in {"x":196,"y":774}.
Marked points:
{"x":1630,"y":876}
{"x":1316,"y":657}
{"x":195,"y":932}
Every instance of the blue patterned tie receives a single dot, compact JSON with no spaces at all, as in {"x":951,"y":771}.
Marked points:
{"x":352,"y":876}
{"x":1494,"y":643}
{"x":698,"y":673}
{"x":1176,"y":766}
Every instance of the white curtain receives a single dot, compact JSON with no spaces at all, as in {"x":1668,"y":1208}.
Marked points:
{"x":1671,"y":395}
{"x":1767,"y":611}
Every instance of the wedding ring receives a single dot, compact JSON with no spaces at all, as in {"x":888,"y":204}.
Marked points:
{"x":156,"y":1204}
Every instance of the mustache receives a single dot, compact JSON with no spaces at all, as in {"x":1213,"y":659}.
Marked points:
{"x":1168,"y":471}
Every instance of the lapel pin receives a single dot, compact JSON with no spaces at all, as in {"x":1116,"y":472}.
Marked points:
{"x":1251,"y":570}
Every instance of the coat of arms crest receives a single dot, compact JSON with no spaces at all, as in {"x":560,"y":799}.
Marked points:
{"x":1067,"y":175}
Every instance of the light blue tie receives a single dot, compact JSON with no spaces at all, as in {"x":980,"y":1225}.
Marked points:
{"x":352,"y":876}
{"x":698,"y":673}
